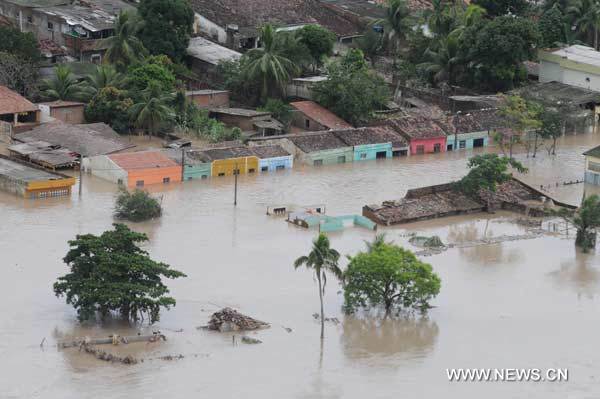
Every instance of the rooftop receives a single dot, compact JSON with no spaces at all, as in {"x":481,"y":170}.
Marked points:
{"x":11,"y":102}
{"x":97,"y":16}
{"x":556,"y":93}
{"x":578,"y":53}
{"x":62,"y":104}
{"x":215,"y":154}
{"x":210,"y":52}
{"x":320,"y":114}
{"x":192,"y":156}
{"x":361,"y":8}
{"x":250,"y":113}
{"x":311,"y":79}
{"x":320,"y":141}
{"x":38,"y":3}
{"x":269,"y":151}
{"x":369,"y":135}
{"x":206,"y":92}
{"x":86,"y":140}
{"x":465,"y":123}
{"x":254,"y":13}
{"x":24,"y":172}
{"x":417,"y":128}
{"x":593,"y":152}
{"x":142,"y":160}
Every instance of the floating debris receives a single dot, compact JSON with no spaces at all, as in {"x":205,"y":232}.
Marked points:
{"x":333,"y":320}
{"x":113,"y":339}
{"x":249,"y":340}
{"x":107,"y":357}
{"x":228,"y":319}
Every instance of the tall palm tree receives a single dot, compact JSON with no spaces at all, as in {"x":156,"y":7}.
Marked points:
{"x":586,"y":15}
{"x":152,"y":110}
{"x":442,"y":59}
{"x":377,"y":242}
{"x":397,"y":21}
{"x":124,"y":48}
{"x":321,"y":259}
{"x":267,"y":65}
{"x":102,"y":76}
{"x":63,"y":86}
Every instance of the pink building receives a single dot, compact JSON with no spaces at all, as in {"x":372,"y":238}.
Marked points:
{"x":424,"y":135}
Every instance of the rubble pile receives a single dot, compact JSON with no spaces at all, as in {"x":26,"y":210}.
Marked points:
{"x":228,"y":319}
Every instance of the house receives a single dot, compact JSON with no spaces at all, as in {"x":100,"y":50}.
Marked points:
{"x":424,"y":135}
{"x":209,"y":98}
{"x":205,"y":56}
{"x":310,"y":116}
{"x":134,"y":169}
{"x":231,"y":160}
{"x":20,"y":113}
{"x":272,"y":158}
{"x":236,"y":24}
{"x":373,"y":142}
{"x":464,"y":131}
{"x":575,"y":65}
{"x":592,"y":166}
{"x":65,"y":111}
{"x":44,"y":154}
{"x":31,"y":181}
{"x":196,"y":164}
{"x":302,"y":87}
{"x":239,"y":117}
{"x":321,"y":148}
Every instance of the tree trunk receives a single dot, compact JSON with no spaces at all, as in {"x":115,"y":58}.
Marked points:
{"x":535,"y":145}
{"x":596,"y":38}
{"x":321,"y":299}
{"x":554,"y":146}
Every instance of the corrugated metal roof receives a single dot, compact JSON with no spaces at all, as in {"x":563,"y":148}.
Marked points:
{"x":210,"y":52}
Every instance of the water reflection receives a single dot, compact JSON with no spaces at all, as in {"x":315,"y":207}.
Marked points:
{"x":578,"y":275}
{"x":368,"y":337}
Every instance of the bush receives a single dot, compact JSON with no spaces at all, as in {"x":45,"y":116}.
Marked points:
{"x":137,"y":206}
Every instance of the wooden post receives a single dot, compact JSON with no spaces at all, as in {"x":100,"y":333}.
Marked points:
{"x":235,"y":173}
{"x":182,"y":163}
{"x":80,"y":174}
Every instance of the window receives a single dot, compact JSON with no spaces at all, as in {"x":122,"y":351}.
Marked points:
{"x":594,"y":166}
{"x":462,"y":144}
{"x":280,"y":167}
{"x":120,"y":182}
{"x":264,"y":169}
{"x":139,"y":183}
{"x":363,"y":155}
{"x":50,"y":26}
{"x":307,"y":123}
{"x":318,"y":162}
{"x":236,"y":171}
{"x":420,"y":149}
{"x":30,"y":19}
{"x":221,"y":174}
{"x":189,"y":178}
{"x":96,"y":58}
{"x":437,"y":147}
{"x":449,"y":147}
{"x":251,"y":170}
{"x":341,"y":159}
{"x":381,"y":154}
{"x":166,"y":179}
{"x":204,"y":177}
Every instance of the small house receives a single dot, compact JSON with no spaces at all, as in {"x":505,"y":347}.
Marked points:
{"x":302,"y":87}
{"x":373,"y":142}
{"x":272,"y":158}
{"x":310,"y":116}
{"x":321,"y":148}
{"x":196,"y":165}
{"x":239,"y":117}
{"x":208,"y":99}
{"x":575,"y":65}
{"x":20,"y":113}
{"x":232,"y":160}
{"x":134,"y":169}
{"x":592,"y":166}
{"x":205,"y":56}
{"x":424,"y":135}
{"x":64,"y":111}
{"x":464,"y":131}
{"x":31,"y":181}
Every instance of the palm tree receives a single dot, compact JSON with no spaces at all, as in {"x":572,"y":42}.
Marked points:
{"x":442,"y":60}
{"x":397,"y":21}
{"x":321,"y":259}
{"x":63,"y":86}
{"x":267,"y":65}
{"x":102,"y":76}
{"x":586,"y":14}
{"x":124,"y":48}
{"x":377,"y":242}
{"x":152,"y":110}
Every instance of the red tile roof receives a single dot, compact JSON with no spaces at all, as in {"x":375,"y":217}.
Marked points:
{"x":416,"y":128}
{"x":321,"y":115}
{"x":142,"y":160}
{"x":12,"y":102}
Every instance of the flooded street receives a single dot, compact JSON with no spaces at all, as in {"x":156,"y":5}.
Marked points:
{"x":521,"y":304}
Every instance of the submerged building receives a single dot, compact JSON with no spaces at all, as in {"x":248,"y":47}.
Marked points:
{"x":31,"y":181}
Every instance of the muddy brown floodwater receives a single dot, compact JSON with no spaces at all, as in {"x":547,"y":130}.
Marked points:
{"x":520,"y":304}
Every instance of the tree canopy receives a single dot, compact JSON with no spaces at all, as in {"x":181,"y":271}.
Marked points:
{"x":111,"y":273}
{"x":391,"y":277}
{"x":110,"y":106}
{"x":486,"y":172}
{"x":137,"y":206}
{"x":21,"y":44}
{"x":496,"y":8}
{"x":318,"y":40}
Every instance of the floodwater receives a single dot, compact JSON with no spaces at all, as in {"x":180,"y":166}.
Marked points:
{"x":520,"y":304}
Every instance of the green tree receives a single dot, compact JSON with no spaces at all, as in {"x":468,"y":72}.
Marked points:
{"x":152,"y":111}
{"x":102,"y":76}
{"x":167,"y":26}
{"x":502,"y":7}
{"x":587,"y":219}
{"x":397,"y":22}
{"x":63,"y":86}
{"x":279,"y":110}
{"x":124,"y":48}
{"x":19,"y":74}
{"x":586,"y":16}
{"x":377,"y":242}
{"x":111,"y":273}
{"x":389,"y":276}
{"x":21,"y":44}
{"x":233,"y":79}
{"x":550,"y":26}
{"x":371,"y":44}
{"x":140,"y":76}
{"x":288,"y":45}
{"x":110,"y":106}
{"x":494,"y":51}
{"x":552,"y":123}
{"x":321,"y":259}
{"x":442,"y":60}
{"x":136,"y":206}
{"x":352,"y":91}
{"x":318,"y":40}
{"x":521,"y":115}
{"x":486,"y":172}
{"x":267,"y":66}
{"x":443,"y":17}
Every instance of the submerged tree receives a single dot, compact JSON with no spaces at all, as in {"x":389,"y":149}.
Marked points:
{"x":137,"y":206}
{"x":321,"y":259}
{"x":486,"y":172}
{"x":391,"y":277}
{"x":522,"y":116}
{"x":111,"y":273}
{"x":586,"y":220}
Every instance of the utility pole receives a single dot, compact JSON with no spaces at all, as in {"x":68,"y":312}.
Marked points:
{"x":80,"y":174}
{"x":182,"y":162}
{"x":235,"y":173}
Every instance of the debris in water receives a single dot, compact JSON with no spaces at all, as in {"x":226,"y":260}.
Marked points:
{"x":107,"y":357}
{"x":249,"y":340}
{"x":113,"y":339}
{"x":333,"y":320}
{"x":228,"y":319}
{"x":287,"y":329}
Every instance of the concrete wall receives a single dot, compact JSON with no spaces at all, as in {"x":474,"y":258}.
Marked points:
{"x":200,"y":171}
{"x":210,"y":100}
{"x":580,"y":79}
{"x":578,"y":76}
{"x":243,"y":122}
{"x":72,"y":115}
{"x":369,"y":151}
{"x":103,"y":167}
{"x":271,"y":164}
{"x":468,"y":138}
{"x":300,"y":120}
{"x":214,"y":31}
{"x":11,"y":185}
{"x":225,"y":167}
{"x":328,"y":157}
{"x":153,"y":176}
{"x":428,"y":145}
{"x":592,"y":170}
{"x":550,"y":72}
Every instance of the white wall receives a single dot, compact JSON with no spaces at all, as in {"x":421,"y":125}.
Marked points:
{"x":103,"y":167}
{"x":550,"y":72}
{"x":201,"y":24}
{"x":578,"y":78}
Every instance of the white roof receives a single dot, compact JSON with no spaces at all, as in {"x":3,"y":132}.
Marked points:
{"x":311,"y":79}
{"x":581,"y":54}
{"x":210,"y":52}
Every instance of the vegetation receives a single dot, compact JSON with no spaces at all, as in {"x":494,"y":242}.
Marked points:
{"x":154,"y":70}
{"x":391,"y":277}
{"x":352,"y":91}
{"x":152,"y":110}
{"x":23,"y":45}
{"x":279,"y":110}
{"x":523,"y":117}
{"x":110,"y":273}
{"x":166,"y":27}
{"x":110,"y":106}
{"x":486,"y":172}
{"x":396,"y":24}
{"x":496,"y":8}
{"x":321,"y":259}
{"x":18,"y":74}
{"x":63,"y":86}
{"x":318,"y":40}
{"x":137,"y":206}
{"x":124,"y":47}
{"x":550,"y":27}
{"x":586,"y":220}
{"x":102,"y":77}
{"x":552,"y":122}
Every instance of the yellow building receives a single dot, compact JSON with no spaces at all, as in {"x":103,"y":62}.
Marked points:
{"x":224,"y":161}
{"x":31,"y":181}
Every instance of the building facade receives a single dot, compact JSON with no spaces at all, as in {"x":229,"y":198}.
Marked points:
{"x":574,"y":65}
{"x":592,"y":166}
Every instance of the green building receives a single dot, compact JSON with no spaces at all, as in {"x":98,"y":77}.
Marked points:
{"x":321,"y":148}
